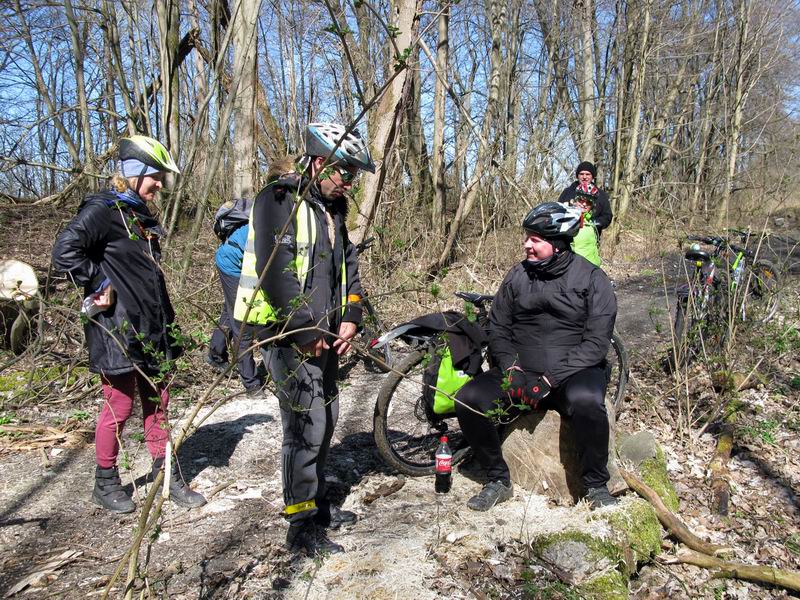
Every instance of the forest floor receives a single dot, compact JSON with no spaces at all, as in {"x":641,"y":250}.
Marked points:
{"x":412,"y":543}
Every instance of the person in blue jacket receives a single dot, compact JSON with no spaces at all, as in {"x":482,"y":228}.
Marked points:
{"x":228,"y":260}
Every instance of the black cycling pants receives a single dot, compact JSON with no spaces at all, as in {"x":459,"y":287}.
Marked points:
{"x":580,"y":398}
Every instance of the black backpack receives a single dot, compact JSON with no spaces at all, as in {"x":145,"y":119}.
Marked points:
{"x":230,"y":216}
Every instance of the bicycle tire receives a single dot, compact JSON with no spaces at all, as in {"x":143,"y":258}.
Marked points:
{"x":763,"y":291}
{"x":405,"y":437}
{"x":617,"y":359}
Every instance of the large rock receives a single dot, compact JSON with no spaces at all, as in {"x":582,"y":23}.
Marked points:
{"x":540,"y":451}
{"x":598,"y":566}
{"x":642,"y":452}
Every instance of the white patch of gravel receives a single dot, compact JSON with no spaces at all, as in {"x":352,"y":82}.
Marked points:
{"x":409,"y":544}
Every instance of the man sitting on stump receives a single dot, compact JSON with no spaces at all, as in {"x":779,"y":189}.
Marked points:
{"x":550,"y":329}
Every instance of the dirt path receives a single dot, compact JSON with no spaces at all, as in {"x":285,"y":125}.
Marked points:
{"x":231,"y":547}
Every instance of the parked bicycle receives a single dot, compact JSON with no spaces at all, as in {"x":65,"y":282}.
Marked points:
{"x":727,"y":282}
{"x":406,"y":426}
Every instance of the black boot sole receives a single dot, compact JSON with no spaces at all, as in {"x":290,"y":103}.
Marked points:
{"x":116,"y":511}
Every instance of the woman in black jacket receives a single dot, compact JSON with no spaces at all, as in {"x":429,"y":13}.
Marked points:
{"x":111,"y":249}
{"x":551,"y":326}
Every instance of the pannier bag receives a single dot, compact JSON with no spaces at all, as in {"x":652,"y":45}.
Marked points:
{"x":441,"y":373}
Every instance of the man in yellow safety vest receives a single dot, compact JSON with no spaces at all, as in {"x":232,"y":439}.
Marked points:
{"x":309,"y":300}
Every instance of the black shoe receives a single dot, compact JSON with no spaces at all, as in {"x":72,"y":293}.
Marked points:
{"x":257,"y":393}
{"x":310,"y":539}
{"x":108,"y":491}
{"x":331,"y":516}
{"x":220,"y":366}
{"x":492,"y":493}
{"x":599,"y":496}
{"x":473,"y":470}
{"x":179,"y":492}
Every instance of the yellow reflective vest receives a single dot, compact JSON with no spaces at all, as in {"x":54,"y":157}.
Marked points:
{"x":250,"y":295}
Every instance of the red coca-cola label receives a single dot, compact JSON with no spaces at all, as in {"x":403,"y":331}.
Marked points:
{"x":444,"y":463}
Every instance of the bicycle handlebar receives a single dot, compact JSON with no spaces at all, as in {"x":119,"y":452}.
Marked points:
{"x":714,"y":241}
{"x":364,"y":245}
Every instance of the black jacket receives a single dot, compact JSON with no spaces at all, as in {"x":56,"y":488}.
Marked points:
{"x":601,"y":211}
{"x":108,"y":239}
{"x":319,"y":304}
{"x":555,"y":320}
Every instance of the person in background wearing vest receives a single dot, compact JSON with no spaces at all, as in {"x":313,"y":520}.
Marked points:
{"x":601,"y":212}
{"x":111,"y":249}
{"x":309,"y":297}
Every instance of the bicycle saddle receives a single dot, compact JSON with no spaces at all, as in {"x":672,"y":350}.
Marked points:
{"x":697,"y":255}
{"x":474,"y":298}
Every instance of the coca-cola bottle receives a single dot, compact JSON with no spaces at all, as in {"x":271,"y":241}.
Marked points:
{"x":444,"y":467}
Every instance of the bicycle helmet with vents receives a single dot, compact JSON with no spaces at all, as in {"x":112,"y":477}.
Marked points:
{"x":553,"y":220}
{"x":322,"y":138}
{"x":148,"y":151}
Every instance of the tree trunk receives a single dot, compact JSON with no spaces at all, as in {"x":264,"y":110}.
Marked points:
{"x":585,"y":70}
{"x":388,"y":114}
{"x":439,"y":105}
{"x":629,"y":167}
{"x":78,"y":56}
{"x":244,"y":90}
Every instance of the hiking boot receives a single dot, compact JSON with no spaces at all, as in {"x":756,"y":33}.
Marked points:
{"x":310,"y":539}
{"x":220,"y":366}
{"x":492,"y":493}
{"x":598,"y":497}
{"x":179,"y":491}
{"x":333,"y":517}
{"x":473,"y":470}
{"x":108,"y":491}
{"x":257,"y":393}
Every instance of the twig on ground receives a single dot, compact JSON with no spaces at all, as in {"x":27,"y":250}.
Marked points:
{"x":668,"y":519}
{"x":789,"y":580}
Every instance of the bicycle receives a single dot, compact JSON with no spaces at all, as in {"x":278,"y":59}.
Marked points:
{"x":752,"y":294}
{"x":406,"y":429}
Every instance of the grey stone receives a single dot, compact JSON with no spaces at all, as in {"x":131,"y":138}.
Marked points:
{"x":574,"y":561}
{"x":638,"y":447}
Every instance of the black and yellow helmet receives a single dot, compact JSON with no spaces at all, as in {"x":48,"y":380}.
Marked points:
{"x":148,"y":151}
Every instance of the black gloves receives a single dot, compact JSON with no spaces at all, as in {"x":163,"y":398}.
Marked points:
{"x":536,"y":389}
{"x":517,"y":383}
{"x":528,"y":388}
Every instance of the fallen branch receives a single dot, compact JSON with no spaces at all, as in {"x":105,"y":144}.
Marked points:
{"x":718,"y":470}
{"x":789,"y":580}
{"x":670,"y":520}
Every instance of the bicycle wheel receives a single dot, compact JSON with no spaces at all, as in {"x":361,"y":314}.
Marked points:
{"x":405,"y":437}
{"x":762,"y":296}
{"x":617,"y":360}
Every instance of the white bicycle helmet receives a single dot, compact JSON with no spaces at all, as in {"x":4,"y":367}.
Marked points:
{"x":149,"y":151}
{"x":553,"y":220}
{"x":322,"y":138}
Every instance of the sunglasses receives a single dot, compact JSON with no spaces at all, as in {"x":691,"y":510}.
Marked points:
{"x":347,"y":176}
